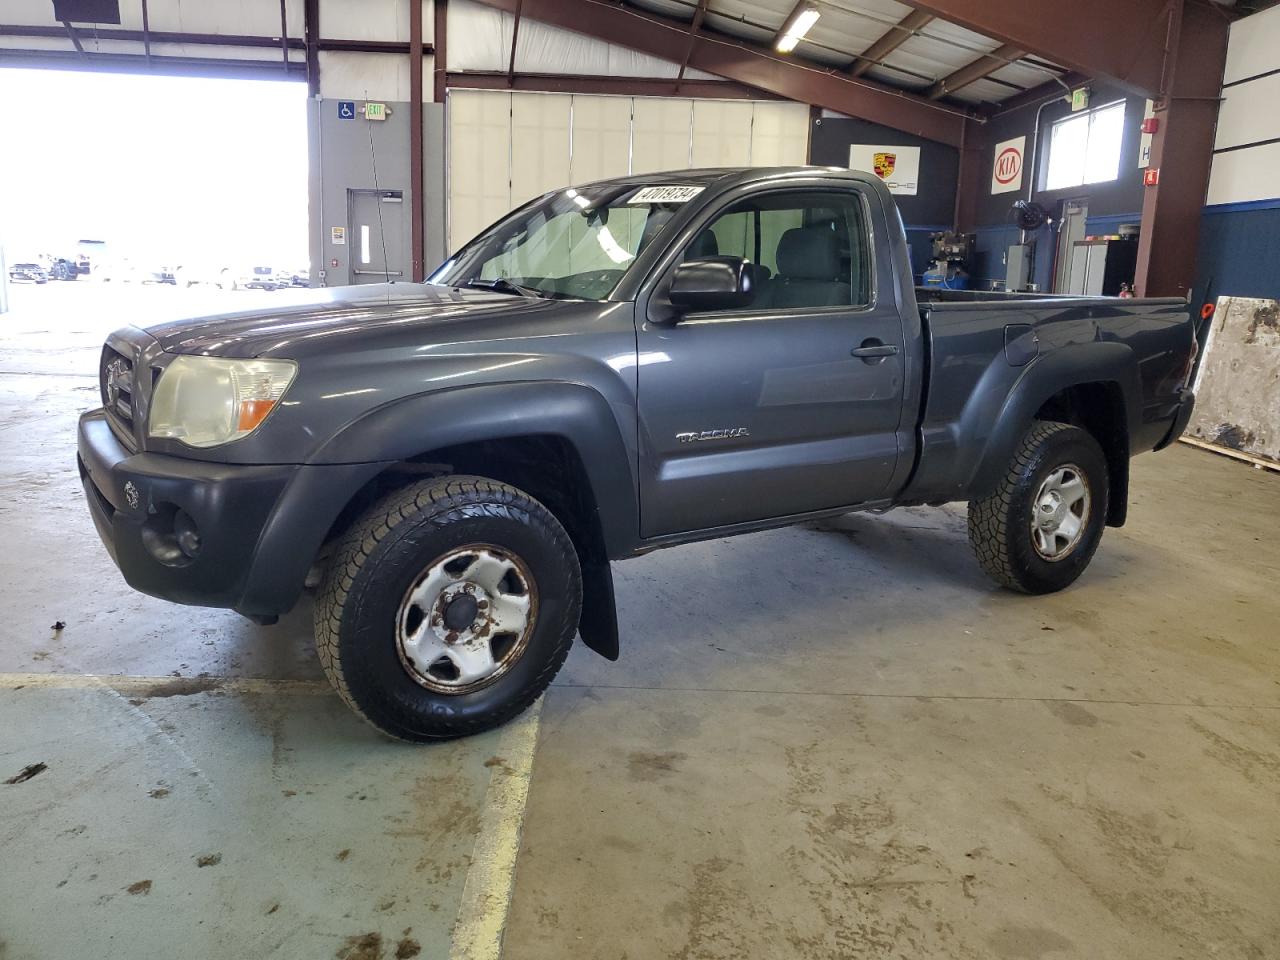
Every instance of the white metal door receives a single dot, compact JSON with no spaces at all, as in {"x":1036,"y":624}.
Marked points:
{"x":376,"y":234}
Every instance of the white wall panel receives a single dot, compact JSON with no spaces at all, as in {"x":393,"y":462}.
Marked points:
{"x":480,"y":39}
{"x":660,"y":134}
{"x":1248,"y":113}
{"x":366,"y":20}
{"x":540,"y":144}
{"x":601,"y":138}
{"x":1244,"y":175}
{"x":479,"y":161}
{"x":477,"y":37}
{"x":507,"y":148}
{"x":780,"y":135}
{"x":360,"y":76}
{"x":29,"y":13}
{"x":1252,"y":48}
{"x":200,"y":16}
{"x":722,"y":133}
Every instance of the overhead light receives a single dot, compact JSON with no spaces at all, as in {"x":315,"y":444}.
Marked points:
{"x":802,"y":19}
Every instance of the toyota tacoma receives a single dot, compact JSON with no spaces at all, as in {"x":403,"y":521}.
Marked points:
{"x":610,"y":369}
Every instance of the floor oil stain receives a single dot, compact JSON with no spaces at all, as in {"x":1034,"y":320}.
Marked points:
{"x":27,"y":772}
{"x":1072,"y":713}
{"x":651,"y":766}
{"x":361,"y":946}
{"x":407,"y":947}
{"x":179,"y":687}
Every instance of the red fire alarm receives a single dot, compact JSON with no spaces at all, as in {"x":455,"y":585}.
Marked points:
{"x":1151,"y":177}
{"x":333,"y":262}
{"x":1150,"y":124}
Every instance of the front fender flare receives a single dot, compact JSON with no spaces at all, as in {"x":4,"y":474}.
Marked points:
{"x":414,"y":426}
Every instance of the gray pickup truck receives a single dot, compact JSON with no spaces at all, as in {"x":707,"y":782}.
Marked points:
{"x":628,"y":365}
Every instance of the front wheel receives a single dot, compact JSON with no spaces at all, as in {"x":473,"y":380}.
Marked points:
{"x":1038,"y":531}
{"x":448,"y":608}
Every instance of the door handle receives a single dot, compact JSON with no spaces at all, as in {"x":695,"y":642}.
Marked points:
{"x":874,"y":351}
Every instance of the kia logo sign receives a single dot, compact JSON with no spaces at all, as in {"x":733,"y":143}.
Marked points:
{"x":1008,"y":165}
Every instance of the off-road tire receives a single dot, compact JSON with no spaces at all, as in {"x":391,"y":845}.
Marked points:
{"x":377,"y":560}
{"x":1000,"y":524}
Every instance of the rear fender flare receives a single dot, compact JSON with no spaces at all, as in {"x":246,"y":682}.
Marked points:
{"x":1047,"y":375}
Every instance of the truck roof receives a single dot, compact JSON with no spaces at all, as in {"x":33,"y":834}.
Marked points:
{"x":722,"y":176}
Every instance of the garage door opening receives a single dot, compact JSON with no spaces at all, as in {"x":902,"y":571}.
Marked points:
{"x":153,"y":180}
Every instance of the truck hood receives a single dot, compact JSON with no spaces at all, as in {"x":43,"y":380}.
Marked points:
{"x":294,"y":324}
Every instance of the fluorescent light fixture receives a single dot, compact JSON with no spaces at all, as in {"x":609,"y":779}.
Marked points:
{"x":801,"y":21}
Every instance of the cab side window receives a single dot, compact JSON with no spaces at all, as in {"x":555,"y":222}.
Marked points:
{"x":811,"y":249}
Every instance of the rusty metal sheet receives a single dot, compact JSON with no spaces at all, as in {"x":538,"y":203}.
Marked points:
{"x":1238,"y":384}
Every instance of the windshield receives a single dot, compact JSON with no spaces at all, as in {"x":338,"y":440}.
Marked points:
{"x":573,"y":244}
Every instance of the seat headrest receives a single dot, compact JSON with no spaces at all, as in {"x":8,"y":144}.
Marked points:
{"x":808,"y":253}
{"x":704,"y":244}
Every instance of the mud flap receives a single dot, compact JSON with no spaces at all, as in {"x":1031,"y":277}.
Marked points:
{"x":598,"y":624}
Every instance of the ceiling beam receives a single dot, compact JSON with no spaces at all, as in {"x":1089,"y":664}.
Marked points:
{"x":985,"y":65}
{"x":515,"y":36}
{"x":891,"y":40}
{"x":749,"y":63}
{"x":71,"y":32}
{"x":1033,"y":97}
{"x":694,"y":26}
{"x":1124,"y":42}
{"x":605,"y":86}
{"x":440,"y":41}
{"x":224,"y":39}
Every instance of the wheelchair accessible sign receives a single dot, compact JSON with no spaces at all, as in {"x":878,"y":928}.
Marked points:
{"x":346,"y":109}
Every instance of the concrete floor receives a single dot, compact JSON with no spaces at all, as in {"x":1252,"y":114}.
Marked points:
{"x":837,"y":740}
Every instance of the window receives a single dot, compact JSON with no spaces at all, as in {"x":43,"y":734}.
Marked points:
{"x":1085,"y":147}
{"x":569,"y":244}
{"x":810,"y":249}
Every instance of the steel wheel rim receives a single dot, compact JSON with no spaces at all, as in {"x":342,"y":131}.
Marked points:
{"x":436,"y":649}
{"x":1060,"y":513}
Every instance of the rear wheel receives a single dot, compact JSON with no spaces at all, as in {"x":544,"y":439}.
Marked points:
{"x":448,"y":608}
{"x":1038,"y":531}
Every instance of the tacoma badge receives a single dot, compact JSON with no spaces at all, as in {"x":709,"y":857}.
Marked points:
{"x":728,"y":433}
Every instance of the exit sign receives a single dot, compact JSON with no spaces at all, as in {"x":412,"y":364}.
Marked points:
{"x":1079,"y":99}
{"x":375,"y":111}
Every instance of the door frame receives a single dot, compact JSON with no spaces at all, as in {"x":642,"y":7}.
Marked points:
{"x":1063,"y":248}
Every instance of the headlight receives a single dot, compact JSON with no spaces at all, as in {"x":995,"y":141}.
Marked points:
{"x":206,"y":401}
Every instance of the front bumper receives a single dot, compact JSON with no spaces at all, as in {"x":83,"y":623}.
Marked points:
{"x":259,"y":527}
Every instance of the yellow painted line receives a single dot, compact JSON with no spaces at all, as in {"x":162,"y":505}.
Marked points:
{"x":486,"y":894}
{"x":158,"y":686}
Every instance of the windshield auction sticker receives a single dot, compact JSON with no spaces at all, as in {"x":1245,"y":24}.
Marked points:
{"x":670,"y":194}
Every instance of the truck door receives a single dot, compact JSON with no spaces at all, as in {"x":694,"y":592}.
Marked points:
{"x":788,"y":406}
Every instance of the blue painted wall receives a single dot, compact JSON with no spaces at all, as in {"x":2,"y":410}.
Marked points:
{"x":1239,"y":251}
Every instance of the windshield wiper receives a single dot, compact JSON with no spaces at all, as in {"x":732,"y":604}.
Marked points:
{"x":503,"y":285}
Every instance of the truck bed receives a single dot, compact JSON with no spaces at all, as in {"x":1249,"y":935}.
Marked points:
{"x":943,"y":296}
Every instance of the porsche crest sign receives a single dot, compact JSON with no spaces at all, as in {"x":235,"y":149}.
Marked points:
{"x":898,"y":167}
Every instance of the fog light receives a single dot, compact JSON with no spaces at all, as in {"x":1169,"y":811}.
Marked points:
{"x":186,"y":533}
{"x":171,"y":536}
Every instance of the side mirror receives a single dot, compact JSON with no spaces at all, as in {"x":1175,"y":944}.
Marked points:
{"x":713,"y":283}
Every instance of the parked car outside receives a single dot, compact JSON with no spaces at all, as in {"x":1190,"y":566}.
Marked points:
{"x":28,"y":273}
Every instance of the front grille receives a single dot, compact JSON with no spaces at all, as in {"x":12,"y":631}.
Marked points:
{"x":116,"y":375}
